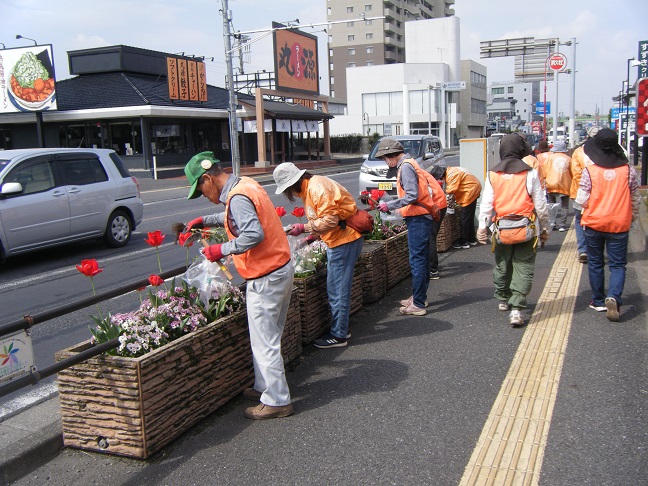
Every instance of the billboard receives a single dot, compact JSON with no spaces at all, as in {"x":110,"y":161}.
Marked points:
{"x":27,"y":81}
{"x":295,"y":60}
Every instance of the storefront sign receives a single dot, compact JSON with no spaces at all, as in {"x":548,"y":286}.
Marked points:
{"x":27,"y":81}
{"x":186,"y":79}
{"x":16,"y":356}
{"x":296,"y":60}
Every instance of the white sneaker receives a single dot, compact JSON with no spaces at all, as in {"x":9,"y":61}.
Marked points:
{"x":516,"y":318}
{"x":408,"y":302}
{"x":503,"y":306}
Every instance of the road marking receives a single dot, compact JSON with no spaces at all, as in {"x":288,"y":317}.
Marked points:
{"x":511,"y":447}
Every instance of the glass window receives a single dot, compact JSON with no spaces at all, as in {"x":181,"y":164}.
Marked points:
{"x":350,"y":24}
{"x":416,"y":103}
{"x":369,"y":104}
{"x":351,"y":64}
{"x":80,"y":172}
{"x":368,"y":22}
{"x":497,"y":91}
{"x":370,"y":50}
{"x":382,"y":104}
{"x":370,"y":63}
{"x":349,"y":9}
{"x":351,"y":51}
{"x":350,"y":37}
{"x":510,"y":89}
{"x":35,"y":177}
{"x":369,"y":36}
{"x":367,"y":8}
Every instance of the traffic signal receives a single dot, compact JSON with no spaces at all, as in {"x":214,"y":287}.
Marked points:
{"x":642,"y":107}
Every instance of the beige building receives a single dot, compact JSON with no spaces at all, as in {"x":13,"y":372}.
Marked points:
{"x":372,"y":42}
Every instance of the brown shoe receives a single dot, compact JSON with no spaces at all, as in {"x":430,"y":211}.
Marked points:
{"x":252,"y":394}
{"x":263,"y":411}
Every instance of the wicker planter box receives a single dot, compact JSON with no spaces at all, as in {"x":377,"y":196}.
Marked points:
{"x":455,"y":224}
{"x":356,"y":288}
{"x":444,"y":237}
{"x":313,"y":306}
{"x":397,"y":259}
{"x":135,"y":406}
{"x":374,"y":282}
{"x":291,"y":340}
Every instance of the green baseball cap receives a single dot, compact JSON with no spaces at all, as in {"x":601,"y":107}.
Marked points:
{"x":195,"y":168}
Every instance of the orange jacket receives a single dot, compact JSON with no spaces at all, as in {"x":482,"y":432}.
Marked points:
{"x":556,"y":173}
{"x":465,"y":186}
{"x":579,"y":160}
{"x":273,"y":252}
{"x":324,"y":200}
{"x":609,"y":208}
{"x":511,"y":195}
{"x":429,"y":191}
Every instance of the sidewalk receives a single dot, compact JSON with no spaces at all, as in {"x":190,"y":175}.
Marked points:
{"x":404,"y":403}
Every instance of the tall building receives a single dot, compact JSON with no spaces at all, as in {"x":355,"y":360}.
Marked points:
{"x":372,"y":42}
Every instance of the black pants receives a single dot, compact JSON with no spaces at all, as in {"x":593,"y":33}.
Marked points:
{"x":434,"y":256}
{"x":467,"y":223}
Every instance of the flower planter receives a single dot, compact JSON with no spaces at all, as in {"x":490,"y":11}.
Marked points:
{"x":374,"y":283}
{"x":444,"y":237}
{"x":291,"y":340}
{"x":356,"y":288}
{"x":455,"y":224}
{"x":135,"y":406}
{"x":313,"y":305}
{"x":397,"y":259}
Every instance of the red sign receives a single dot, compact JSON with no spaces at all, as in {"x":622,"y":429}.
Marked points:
{"x":642,"y":107}
{"x":558,"y":62}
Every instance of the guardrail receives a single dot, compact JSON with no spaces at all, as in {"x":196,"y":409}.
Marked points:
{"x":30,"y":320}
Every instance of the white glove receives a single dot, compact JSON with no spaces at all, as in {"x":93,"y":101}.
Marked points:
{"x":482,"y":236}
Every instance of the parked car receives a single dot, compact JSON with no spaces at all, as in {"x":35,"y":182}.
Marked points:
{"x":426,"y":149}
{"x":53,"y":196}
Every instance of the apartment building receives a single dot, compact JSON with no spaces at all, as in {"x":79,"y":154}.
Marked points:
{"x":357,"y":43}
{"x":513,"y":103}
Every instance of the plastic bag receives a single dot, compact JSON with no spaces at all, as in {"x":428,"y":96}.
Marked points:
{"x":206,"y":276}
{"x":392,"y":217}
{"x":553,"y":209}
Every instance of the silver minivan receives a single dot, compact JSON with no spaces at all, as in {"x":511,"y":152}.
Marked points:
{"x":426,"y":149}
{"x":53,"y":196}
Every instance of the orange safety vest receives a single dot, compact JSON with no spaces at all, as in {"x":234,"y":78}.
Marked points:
{"x":557,"y":173}
{"x":609,"y":208}
{"x":273,"y":252}
{"x":511,"y":194}
{"x":425,"y":182}
{"x":331,"y":197}
{"x":465,"y":186}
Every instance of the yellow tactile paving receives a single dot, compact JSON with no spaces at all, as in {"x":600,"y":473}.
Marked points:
{"x":511,"y":446}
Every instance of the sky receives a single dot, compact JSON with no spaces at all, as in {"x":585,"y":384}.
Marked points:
{"x":607,"y":33}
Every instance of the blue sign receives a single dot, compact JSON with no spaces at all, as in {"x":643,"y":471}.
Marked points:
{"x":540,"y":108}
{"x":614,"y":112}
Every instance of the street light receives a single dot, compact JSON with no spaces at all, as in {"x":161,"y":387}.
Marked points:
{"x":3,"y":46}
{"x":18,"y":36}
{"x":634,"y":63}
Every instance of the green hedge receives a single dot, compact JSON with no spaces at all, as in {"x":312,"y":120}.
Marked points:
{"x":346,"y":144}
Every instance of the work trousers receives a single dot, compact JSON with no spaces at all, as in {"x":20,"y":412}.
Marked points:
{"x":268,"y":299}
{"x":513,"y":272}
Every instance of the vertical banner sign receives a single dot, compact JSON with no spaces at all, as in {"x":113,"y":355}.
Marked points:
{"x":183,"y":76}
{"x":202,"y":82}
{"x":27,"y":80}
{"x":172,"y":77}
{"x":642,"y":108}
{"x":295,"y":60}
{"x":642,"y":70}
{"x":193,"y":81}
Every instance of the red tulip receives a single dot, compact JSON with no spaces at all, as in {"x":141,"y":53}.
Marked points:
{"x":155,"y":238}
{"x":377,"y":194}
{"x":155,"y":280}
{"x":298,"y":212}
{"x":281,"y":211}
{"x":89,"y":268}
{"x":183,"y":237}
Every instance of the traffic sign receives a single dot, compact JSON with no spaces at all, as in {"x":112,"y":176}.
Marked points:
{"x":540,"y":108}
{"x":558,"y":61}
{"x":626,"y":110}
{"x":642,"y":107}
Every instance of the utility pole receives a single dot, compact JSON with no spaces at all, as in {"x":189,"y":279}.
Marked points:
{"x":233,"y":124}
{"x":572,"y":106}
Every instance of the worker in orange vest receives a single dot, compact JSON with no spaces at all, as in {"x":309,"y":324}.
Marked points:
{"x":512,"y":189}
{"x":466,"y":189}
{"x":609,"y":195}
{"x":579,"y":160}
{"x":556,"y":173}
